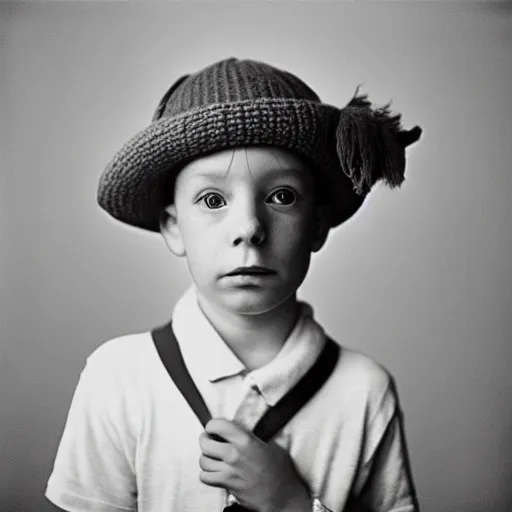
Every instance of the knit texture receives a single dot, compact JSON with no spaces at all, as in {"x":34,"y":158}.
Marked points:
{"x":232,"y":81}
{"x":235,"y":103}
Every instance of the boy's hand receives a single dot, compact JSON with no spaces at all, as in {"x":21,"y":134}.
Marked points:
{"x":260,"y":475}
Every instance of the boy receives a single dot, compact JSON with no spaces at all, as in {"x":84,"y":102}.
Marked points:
{"x":243,"y":171}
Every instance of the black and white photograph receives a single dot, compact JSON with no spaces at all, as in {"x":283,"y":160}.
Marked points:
{"x":256,"y":256}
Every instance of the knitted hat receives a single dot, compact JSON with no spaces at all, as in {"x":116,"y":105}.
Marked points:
{"x":235,"y":103}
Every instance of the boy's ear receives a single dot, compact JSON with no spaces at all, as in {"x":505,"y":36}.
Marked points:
{"x":321,"y":227}
{"x":171,"y":232}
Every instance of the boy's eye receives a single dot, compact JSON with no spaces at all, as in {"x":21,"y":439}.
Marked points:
{"x":283,"y":196}
{"x":213,"y":201}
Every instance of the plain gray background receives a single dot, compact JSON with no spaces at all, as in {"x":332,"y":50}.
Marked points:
{"x":420,"y":279}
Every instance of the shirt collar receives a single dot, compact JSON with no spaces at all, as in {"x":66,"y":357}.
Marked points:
{"x":207,"y":356}
{"x":300,"y":350}
{"x":204,"y":351}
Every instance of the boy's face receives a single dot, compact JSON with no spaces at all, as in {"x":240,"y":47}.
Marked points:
{"x":242,"y":208}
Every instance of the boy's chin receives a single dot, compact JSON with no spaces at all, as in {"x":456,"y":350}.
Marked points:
{"x":251,"y":301}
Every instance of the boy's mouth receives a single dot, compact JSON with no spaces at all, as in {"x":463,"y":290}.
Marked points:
{"x":251,"y":271}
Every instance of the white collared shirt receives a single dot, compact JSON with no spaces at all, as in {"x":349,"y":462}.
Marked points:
{"x":223,"y":379}
{"x":131,"y":440}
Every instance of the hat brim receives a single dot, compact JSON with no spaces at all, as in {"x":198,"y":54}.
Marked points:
{"x":131,"y":186}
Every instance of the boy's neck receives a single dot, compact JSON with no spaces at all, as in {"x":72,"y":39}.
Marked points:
{"x":254,"y":339}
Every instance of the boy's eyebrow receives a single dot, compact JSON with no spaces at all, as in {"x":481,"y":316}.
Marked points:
{"x":222,"y":174}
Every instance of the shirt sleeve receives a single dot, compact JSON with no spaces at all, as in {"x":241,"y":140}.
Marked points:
{"x":94,"y":468}
{"x":388,"y":484}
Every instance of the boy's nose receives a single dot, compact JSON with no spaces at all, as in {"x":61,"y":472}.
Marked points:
{"x":248,"y":229}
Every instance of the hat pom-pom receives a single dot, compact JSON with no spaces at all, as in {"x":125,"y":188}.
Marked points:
{"x":371,"y":144}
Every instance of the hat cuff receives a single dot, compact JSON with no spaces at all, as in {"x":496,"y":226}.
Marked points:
{"x":131,"y":187}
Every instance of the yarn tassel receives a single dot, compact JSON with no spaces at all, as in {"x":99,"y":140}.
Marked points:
{"x":371,"y":144}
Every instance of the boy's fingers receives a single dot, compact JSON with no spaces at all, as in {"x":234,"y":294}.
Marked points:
{"x":211,"y":448}
{"x":211,"y":478}
{"x":228,"y":430}
{"x":215,"y":473}
{"x":212,"y":465}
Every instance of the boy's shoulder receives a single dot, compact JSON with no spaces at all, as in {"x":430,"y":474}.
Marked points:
{"x":363,"y":375}
{"x":122,"y":354}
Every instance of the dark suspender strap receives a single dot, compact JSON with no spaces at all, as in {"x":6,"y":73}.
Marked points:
{"x":276,"y":417}
{"x":170,"y":354}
